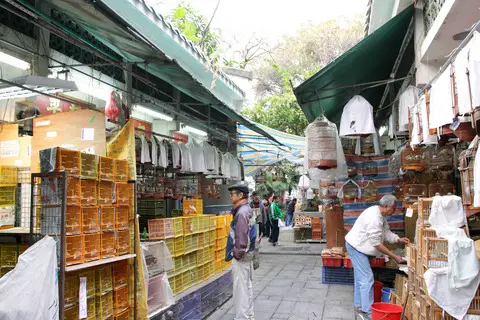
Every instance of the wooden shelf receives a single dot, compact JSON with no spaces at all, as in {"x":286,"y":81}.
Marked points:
{"x":98,"y":262}
{"x":16,"y":230}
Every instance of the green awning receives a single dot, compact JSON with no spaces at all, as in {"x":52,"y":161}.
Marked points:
{"x":359,"y":71}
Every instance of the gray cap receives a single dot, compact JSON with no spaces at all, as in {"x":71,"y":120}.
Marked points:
{"x":240,"y":187}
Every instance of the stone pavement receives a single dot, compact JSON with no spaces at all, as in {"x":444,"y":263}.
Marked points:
{"x":288,"y":286}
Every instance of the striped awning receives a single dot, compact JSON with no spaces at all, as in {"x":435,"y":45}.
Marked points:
{"x":257,"y":151}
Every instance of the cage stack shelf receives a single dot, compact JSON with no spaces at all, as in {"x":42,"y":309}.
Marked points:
{"x":85,"y":194}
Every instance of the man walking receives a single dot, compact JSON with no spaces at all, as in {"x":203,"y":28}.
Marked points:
{"x":366,"y":240}
{"x":259,"y":213}
{"x":240,"y":249}
{"x":290,"y":212}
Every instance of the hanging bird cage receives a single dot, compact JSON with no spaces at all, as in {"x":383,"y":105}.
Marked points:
{"x":260,"y":176}
{"x":370,"y":168}
{"x":411,"y":192}
{"x":413,"y":159}
{"x":367,"y":145}
{"x":278,"y":174}
{"x":442,"y":158}
{"x":370,"y":192}
{"x":440,"y":188}
{"x":398,"y":189}
{"x":351,"y":191}
{"x":394,"y":164}
{"x":467,"y":162}
{"x":352,"y":170}
{"x":322,"y":144}
{"x":348,"y":146}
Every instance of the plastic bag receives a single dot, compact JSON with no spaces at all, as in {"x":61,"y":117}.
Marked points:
{"x":281,"y":224}
{"x":112,"y":111}
{"x":30,"y":291}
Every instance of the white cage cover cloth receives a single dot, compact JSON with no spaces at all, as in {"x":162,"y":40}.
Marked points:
{"x":407,"y":100}
{"x":357,"y":118}
{"x":322,"y":144}
{"x":474,"y":69}
{"x":440,"y":111}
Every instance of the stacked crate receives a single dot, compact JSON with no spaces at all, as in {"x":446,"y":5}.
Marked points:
{"x":8,"y":188}
{"x":107,"y":291}
{"x":192,"y":241}
{"x":428,"y":252}
{"x":317,"y":230}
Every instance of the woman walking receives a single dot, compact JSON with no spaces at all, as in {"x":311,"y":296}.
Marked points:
{"x":276,"y":214}
{"x":267,"y":226}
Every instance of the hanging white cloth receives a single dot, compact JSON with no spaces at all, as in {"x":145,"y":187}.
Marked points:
{"x":225,"y":166}
{"x":145,"y":153}
{"x":357,"y":117}
{"x":209,"y":157}
{"x":447,"y":211}
{"x":217,"y":161}
{"x":153,"y":141}
{"x":407,"y":100}
{"x":476,"y":180}
{"x":441,"y":112}
{"x":461,"y":80}
{"x":415,"y":139}
{"x":474,"y":69}
{"x":163,"y":154}
{"x":454,"y":302}
{"x":176,"y":155}
{"x":197,"y":156}
{"x":427,"y":138}
{"x":186,"y":158}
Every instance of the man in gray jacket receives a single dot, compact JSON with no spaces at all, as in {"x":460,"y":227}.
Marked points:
{"x":241,"y":247}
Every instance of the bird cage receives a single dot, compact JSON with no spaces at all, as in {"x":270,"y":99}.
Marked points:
{"x":370,"y":168}
{"x":260,"y":176}
{"x":367,"y":145}
{"x":398,"y":190}
{"x":394,"y":164}
{"x":350,"y":191}
{"x":322,"y":144}
{"x":440,"y":188}
{"x":411,"y":192}
{"x":413,"y":159}
{"x":442,"y":158}
{"x":370,"y":193}
{"x":348,"y":146}
{"x":467,"y":162}
{"x":352,"y":170}
{"x":278,"y":174}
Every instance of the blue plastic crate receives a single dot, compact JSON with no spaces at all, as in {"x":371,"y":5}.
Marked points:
{"x":337,"y":275}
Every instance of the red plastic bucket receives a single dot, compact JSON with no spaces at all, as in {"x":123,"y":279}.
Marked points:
{"x":386,"y":311}
{"x":377,"y":291}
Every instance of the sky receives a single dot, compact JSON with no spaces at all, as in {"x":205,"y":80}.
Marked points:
{"x":238,"y":20}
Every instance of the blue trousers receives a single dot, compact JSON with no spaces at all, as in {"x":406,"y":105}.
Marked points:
{"x":289,"y":219}
{"x":363,"y":279}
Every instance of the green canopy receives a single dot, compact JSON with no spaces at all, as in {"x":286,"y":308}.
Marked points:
{"x":362,"y":70}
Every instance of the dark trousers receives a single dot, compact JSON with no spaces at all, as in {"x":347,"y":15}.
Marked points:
{"x":261,"y":229}
{"x":266,"y":229}
{"x":275,"y":230}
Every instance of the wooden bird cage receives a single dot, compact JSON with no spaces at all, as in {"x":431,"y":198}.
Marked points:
{"x":370,"y":168}
{"x":440,"y":188}
{"x":413,"y":159}
{"x":411,"y":192}
{"x":260,"y":176}
{"x":350,"y":192}
{"x":322,"y":144}
{"x":370,"y":192}
{"x":442,"y":158}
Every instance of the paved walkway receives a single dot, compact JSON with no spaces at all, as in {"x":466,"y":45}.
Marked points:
{"x":288,"y":286}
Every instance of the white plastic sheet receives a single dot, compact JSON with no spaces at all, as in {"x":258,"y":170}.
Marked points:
{"x":30,"y":291}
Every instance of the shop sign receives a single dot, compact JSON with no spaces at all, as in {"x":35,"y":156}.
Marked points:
{"x":181,"y":138}
{"x":144,"y":125}
{"x":9,"y":149}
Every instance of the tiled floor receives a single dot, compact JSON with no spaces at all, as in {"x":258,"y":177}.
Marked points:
{"x":288,"y":286}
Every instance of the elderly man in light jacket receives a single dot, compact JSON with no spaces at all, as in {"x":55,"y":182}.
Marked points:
{"x":365,"y":241}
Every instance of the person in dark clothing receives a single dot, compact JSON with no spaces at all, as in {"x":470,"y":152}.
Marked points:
{"x":268,"y":225}
{"x":261,"y":218}
{"x":290,"y":212}
{"x":275,"y":214}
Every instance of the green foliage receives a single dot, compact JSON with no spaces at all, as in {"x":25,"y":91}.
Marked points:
{"x":289,"y":181}
{"x":193,"y":24}
{"x":280,"y":112}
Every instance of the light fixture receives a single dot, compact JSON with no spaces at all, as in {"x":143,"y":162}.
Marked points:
{"x":154,"y":114}
{"x":15,"y":62}
{"x":39,"y":84}
{"x":196,"y":131}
